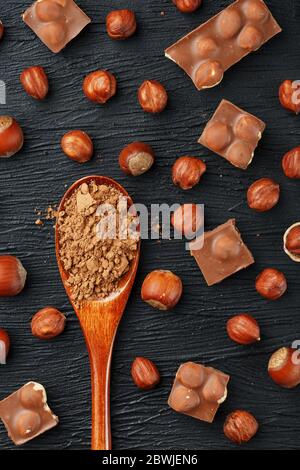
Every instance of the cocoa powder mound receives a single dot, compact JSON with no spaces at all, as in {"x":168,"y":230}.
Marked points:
{"x":94,"y":257}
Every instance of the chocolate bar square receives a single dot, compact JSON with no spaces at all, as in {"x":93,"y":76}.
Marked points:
{"x":212,"y":48}
{"x":55,"y":22}
{"x":26,"y":414}
{"x":233,"y":134}
{"x":198,"y":391}
{"x":223,"y":254}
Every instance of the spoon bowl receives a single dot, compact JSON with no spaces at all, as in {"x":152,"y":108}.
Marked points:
{"x":99,"y":320}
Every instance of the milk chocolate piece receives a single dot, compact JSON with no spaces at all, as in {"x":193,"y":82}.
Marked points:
{"x":25,"y":413}
{"x":55,"y":22}
{"x":212,"y":48}
{"x":223,"y":254}
{"x":233,"y":134}
{"x":198,"y":391}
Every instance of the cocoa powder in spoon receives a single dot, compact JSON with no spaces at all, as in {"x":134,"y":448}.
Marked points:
{"x":96,"y":245}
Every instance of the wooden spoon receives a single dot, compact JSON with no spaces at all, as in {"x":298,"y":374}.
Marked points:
{"x":99,"y":320}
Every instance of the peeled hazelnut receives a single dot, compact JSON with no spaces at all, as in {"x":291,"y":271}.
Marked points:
{"x":152,"y":96}
{"x":120,"y":24}
{"x":243,"y":329}
{"x":48,"y":323}
{"x":209,"y":74}
{"x":284,"y":367}
{"x":214,"y":390}
{"x":1,"y":30}
{"x":78,"y":146}
{"x":4,"y":346}
{"x":291,"y":163}
{"x":240,"y":426}
{"x":291,"y":242}
{"x":144,"y":373}
{"x":289,"y":95}
{"x":187,"y":6}
{"x":35,"y":82}
{"x":187,"y":171}
{"x":263,"y":194}
{"x":99,"y":86}
{"x":136,"y":158}
{"x":188,"y":220}
{"x":271,"y":284}
{"x":162,"y":289}
{"x":11,"y":137}
{"x":255,"y":10}
{"x":27,"y":423}
{"x":12,"y":276}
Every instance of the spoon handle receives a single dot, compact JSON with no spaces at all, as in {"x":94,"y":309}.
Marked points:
{"x":99,"y":329}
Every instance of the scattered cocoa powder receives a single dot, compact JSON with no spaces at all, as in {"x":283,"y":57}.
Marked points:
{"x":95,"y":262}
{"x":49,"y":214}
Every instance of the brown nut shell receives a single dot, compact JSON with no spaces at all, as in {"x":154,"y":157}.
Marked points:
{"x":35,"y":82}
{"x":120,"y":24}
{"x":4,"y":345}
{"x":289,"y":95}
{"x":187,"y":172}
{"x":152,"y":96}
{"x":284,"y":367}
{"x":240,"y":426}
{"x":291,"y":163}
{"x":100,"y":86}
{"x":271,"y":284}
{"x":11,"y":137}
{"x":12,"y":276}
{"x":263,"y":194}
{"x":243,"y":329}
{"x":291,"y":242}
{"x":161,"y":289}
{"x":187,"y":6}
{"x":48,"y":323}
{"x":136,"y":158}
{"x":78,"y":146}
{"x":144,"y":373}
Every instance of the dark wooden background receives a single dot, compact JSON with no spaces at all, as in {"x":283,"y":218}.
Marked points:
{"x":195,"y":330}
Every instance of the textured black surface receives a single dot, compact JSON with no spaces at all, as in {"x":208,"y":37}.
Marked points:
{"x":195,"y":330}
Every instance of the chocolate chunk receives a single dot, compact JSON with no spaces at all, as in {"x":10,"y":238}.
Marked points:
{"x":26,"y":414}
{"x":233,"y":134}
{"x":55,"y":22}
{"x":212,"y":48}
{"x":198,"y":391}
{"x":223,"y":254}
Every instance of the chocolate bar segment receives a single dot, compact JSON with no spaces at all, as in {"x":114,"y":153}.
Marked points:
{"x":55,"y":22}
{"x":212,"y":48}
{"x":233,"y":134}
{"x":223,"y":254}
{"x":198,"y":391}
{"x":26,"y":414}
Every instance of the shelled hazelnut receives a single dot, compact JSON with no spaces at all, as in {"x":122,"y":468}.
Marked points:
{"x":100,"y":86}
{"x":291,"y":163}
{"x":284,"y":367}
{"x":188,"y":219}
{"x":136,"y":158}
{"x":291,"y":242}
{"x":12,"y":276}
{"x":162,"y":289}
{"x":152,"y":96}
{"x":1,"y":30}
{"x":187,"y":171}
{"x":11,"y":137}
{"x":4,"y":345}
{"x":243,"y":329}
{"x":78,"y":146}
{"x":263,"y":194}
{"x":289,"y":95}
{"x":240,"y":426}
{"x":271,"y":284}
{"x":35,"y":82}
{"x":144,"y":373}
{"x":120,"y":24}
{"x":187,"y":6}
{"x":48,"y":323}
